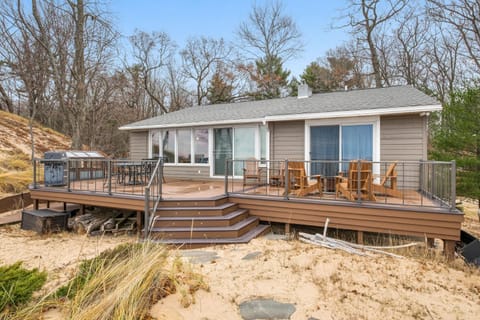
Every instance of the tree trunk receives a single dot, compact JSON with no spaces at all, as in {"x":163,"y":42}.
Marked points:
{"x":79,"y":68}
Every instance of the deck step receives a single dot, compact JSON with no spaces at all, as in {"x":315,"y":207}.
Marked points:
{"x":219,"y":210}
{"x":188,"y":243}
{"x":228,"y":219}
{"x":212,"y":202}
{"x":236,"y":230}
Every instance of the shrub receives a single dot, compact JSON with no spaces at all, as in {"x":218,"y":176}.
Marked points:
{"x":17,"y":285}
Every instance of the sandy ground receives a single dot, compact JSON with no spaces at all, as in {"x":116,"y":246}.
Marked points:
{"x":58,"y":254}
{"x":327,"y":284}
{"x":322,"y":283}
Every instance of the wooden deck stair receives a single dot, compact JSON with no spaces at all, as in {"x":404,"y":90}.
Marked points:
{"x":204,"y":222}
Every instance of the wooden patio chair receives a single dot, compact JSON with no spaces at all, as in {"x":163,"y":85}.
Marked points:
{"x":252,"y":171}
{"x":299,"y":181}
{"x":389,"y":189}
{"x":358,"y":183}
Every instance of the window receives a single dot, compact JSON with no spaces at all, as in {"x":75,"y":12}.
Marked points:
{"x":184,"y":146}
{"x":155,"y":138}
{"x":200,"y":145}
{"x":168,"y":143}
{"x":178,"y":146}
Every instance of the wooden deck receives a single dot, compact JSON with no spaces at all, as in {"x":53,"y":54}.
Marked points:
{"x":413,"y":214}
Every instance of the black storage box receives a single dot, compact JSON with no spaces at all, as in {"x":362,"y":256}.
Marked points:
{"x":44,"y":220}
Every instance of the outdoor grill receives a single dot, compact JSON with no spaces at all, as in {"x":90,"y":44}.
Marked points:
{"x":81,"y":165}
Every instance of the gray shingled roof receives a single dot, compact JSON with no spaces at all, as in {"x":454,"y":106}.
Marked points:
{"x":342,"y":101}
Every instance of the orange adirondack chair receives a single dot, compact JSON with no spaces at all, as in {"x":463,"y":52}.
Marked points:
{"x":299,"y":181}
{"x":389,"y":189}
{"x":358,"y":183}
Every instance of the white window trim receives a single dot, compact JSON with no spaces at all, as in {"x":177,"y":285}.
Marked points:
{"x":370,"y":120}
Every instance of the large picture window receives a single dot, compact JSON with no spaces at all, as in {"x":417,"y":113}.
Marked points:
{"x":184,"y":145}
{"x":178,"y":145}
{"x":168,"y":143}
{"x":200,"y":145}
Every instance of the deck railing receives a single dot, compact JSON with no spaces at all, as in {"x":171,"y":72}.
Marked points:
{"x":110,"y":176}
{"x":153,"y":195}
{"x":402,"y":183}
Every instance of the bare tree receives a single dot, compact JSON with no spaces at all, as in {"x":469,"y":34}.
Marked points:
{"x":199,"y":60}
{"x":24,"y":58}
{"x":270,"y":33}
{"x":366,"y":18}
{"x":464,"y":17}
{"x":152,"y":52}
{"x":179,"y":95}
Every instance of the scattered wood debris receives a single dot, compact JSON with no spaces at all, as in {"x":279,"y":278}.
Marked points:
{"x":104,"y":221}
{"x":362,"y":250}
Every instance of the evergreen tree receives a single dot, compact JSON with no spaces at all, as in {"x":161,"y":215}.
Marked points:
{"x":457,"y":137}
{"x":270,"y":78}
{"x":219,"y":90}
{"x":317,"y":77}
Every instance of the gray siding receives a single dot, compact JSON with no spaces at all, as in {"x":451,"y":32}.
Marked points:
{"x":403,"y":138}
{"x":186,"y":172}
{"x":287,"y":140}
{"x":138,"y":145}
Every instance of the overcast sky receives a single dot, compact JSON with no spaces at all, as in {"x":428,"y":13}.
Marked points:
{"x":182,"y":19}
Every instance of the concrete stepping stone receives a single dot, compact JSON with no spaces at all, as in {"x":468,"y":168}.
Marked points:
{"x":252,"y":255}
{"x":266,"y":309}
{"x":199,"y":256}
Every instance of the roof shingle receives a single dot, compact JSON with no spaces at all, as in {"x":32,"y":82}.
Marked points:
{"x":341,"y":101}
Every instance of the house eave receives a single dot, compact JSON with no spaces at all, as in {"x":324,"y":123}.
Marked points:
{"x":298,"y":116}
{"x":355,"y":113}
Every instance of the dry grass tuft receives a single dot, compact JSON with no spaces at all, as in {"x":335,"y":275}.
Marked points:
{"x":15,"y":181}
{"x":123,"y":284}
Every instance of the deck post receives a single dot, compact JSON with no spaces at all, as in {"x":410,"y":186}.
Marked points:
{"x":34,"y":173}
{"x":360,"y":237}
{"x":36,"y":204}
{"x":287,"y":229}
{"x":287,"y":180}
{"x":453,"y":189}
{"x":139,"y":222}
{"x":109,"y":176}
{"x":430,"y":242}
{"x":449,"y":249}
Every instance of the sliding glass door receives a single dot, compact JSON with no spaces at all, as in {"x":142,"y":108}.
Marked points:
{"x":339,"y":142}
{"x":222,"y":149}
{"x":244,"y":147}
{"x":239,"y":143}
{"x":324,"y":146}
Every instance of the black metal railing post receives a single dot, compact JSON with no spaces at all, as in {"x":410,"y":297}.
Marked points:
{"x":146,"y":222}
{"x":109,"y":176}
{"x":226,"y":176}
{"x":453,"y":185}
{"x":68,"y":175}
{"x":287,"y":180}
{"x":359,"y":183}
{"x":160,"y":180}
